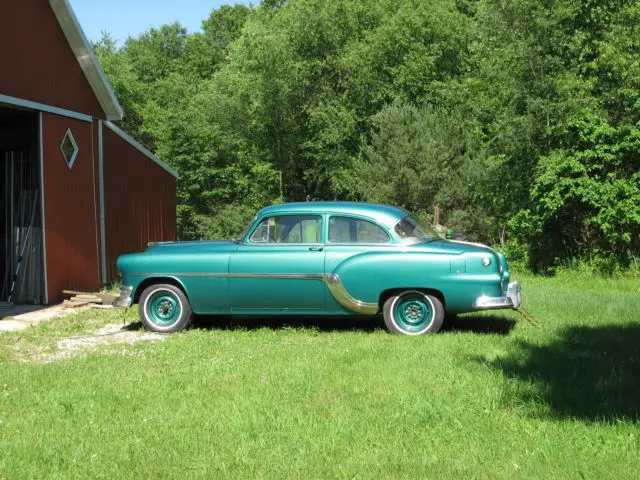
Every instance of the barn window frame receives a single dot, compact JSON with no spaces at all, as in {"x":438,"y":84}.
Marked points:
{"x":70,"y":158}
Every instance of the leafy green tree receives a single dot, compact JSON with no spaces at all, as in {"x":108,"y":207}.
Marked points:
{"x":128,"y":88}
{"x":519,"y":119}
{"x":586,"y":198}
{"x":206,"y":51}
{"x":419,"y":158}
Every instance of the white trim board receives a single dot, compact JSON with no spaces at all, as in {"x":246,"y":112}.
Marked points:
{"x":42,"y":207}
{"x":28,"y":104}
{"x":129,"y":139}
{"x":86,"y":58}
{"x":103,"y":233}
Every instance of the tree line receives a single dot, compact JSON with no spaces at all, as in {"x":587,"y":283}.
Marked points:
{"x":520,"y":119}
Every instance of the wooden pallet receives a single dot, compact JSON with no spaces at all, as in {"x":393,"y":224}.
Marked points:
{"x":81,"y":299}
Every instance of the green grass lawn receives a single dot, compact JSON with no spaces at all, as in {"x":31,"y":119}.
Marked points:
{"x":490,"y":397}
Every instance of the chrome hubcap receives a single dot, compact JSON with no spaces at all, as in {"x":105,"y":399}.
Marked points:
{"x":163,"y":308}
{"x":413,"y":312}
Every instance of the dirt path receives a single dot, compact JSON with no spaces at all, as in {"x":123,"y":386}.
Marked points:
{"x":21,"y":318}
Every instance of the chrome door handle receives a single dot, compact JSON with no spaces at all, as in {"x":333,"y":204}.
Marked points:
{"x":316,"y":249}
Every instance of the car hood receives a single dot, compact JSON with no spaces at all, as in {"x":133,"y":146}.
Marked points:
{"x":192,"y":247}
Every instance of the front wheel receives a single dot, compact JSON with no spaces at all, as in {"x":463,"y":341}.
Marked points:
{"x":413,"y":312}
{"x":164,"y":309}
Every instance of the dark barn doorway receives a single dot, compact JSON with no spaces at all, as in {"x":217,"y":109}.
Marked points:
{"x":21,"y":252}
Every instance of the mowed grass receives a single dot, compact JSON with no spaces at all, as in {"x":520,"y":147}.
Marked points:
{"x":490,"y":397}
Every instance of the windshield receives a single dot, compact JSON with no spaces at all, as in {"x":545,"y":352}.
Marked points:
{"x":413,"y":231}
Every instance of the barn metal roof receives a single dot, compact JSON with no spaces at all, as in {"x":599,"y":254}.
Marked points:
{"x":87,"y":59}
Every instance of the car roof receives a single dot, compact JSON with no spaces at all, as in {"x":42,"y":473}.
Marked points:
{"x":385,"y":214}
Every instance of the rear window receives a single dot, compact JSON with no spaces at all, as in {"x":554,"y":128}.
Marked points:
{"x":355,"y":230}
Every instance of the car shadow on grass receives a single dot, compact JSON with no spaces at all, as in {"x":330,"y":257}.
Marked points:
{"x":591,"y":374}
{"x":483,"y":324}
{"x":278,"y":322}
{"x":472,"y":324}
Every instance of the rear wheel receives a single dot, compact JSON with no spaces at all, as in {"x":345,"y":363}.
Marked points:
{"x":164,"y":308}
{"x":413,"y":312}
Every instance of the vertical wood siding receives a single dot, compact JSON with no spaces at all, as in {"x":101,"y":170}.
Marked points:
{"x":37,"y":62}
{"x":70,"y":199}
{"x":140,"y":200}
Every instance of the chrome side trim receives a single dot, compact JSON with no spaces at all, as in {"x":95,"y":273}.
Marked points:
{"x":331,"y":280}
{"x":212,"y":275}
{"x":512,"y":300}
{"x":283,"y":276}
{"x":290,"y":276}
{"x":340,"y":294}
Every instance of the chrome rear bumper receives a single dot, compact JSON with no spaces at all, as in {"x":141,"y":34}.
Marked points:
{"x":513,"y":299}
{"x":124,"y":300}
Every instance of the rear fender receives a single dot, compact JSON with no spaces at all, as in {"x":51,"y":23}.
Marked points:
{"x":366,"y":276}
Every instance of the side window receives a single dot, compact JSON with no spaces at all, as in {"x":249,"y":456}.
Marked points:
{"x":288,"y":229}
{"x":353,"y":230}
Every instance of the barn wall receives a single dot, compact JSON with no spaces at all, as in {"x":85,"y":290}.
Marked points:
{"x":37,"y":61}
{"x":140,"y":200}
{"x":70,"y":207}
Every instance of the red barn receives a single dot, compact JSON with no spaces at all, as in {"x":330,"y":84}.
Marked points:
{"x":75,"y":190}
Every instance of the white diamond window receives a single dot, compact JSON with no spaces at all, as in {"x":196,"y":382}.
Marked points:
{"x":69,"y":148}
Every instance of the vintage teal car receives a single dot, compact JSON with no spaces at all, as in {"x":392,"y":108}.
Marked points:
{"x":324,"y":258}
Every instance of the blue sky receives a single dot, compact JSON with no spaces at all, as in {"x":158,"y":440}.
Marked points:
{"x":125,"y":18}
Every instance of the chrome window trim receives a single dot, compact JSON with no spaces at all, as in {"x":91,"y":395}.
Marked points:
{"x":385,"y":245}
{"x":276,"y":245}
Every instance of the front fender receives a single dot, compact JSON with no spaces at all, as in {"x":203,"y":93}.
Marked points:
{"x":202,"y":276}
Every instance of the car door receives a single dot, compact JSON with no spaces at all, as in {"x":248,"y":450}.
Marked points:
{"x":348,"y":236}
{"x":279,"y":266}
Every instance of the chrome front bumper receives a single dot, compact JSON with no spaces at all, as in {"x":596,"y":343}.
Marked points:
{"x":513,"y":299}
{"x":124,"y":300}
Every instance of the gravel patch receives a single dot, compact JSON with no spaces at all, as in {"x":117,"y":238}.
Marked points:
{"x":101,"y":340}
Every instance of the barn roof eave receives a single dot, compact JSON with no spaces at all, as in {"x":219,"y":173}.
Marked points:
{"x":87,"y":59}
